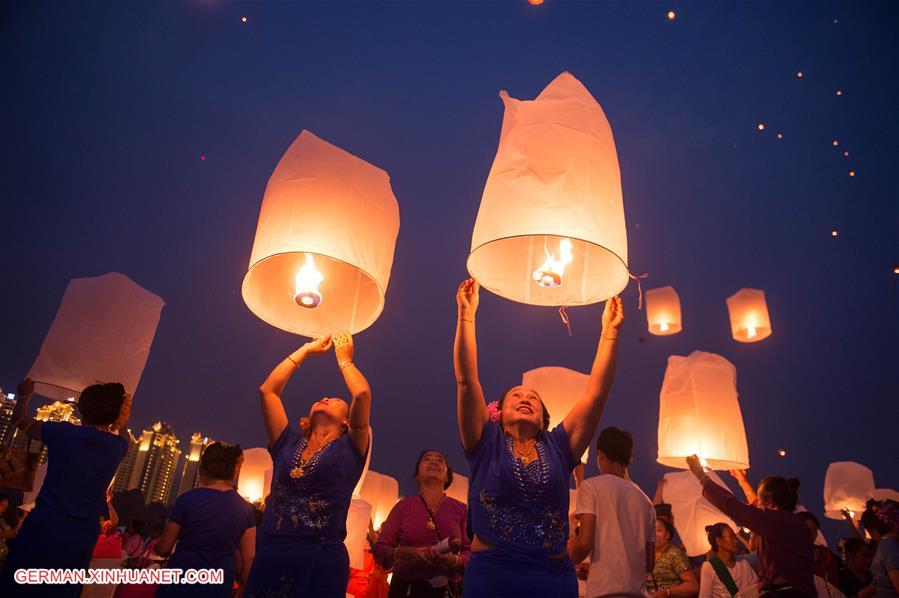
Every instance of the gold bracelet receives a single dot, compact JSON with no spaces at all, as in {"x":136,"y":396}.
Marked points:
{"x":346,"y":365}
{"x":467,"y":320}
{"x":295,"y":364}
{"x":610,"y":338}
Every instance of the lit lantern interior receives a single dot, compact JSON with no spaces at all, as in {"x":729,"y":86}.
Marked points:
{"x":306,"y":291}
{"x":254,"y":482}
{"x":459,"y":488}
{"x":559,"y":389}
{"x":663,"y":314}
{"x":381,"y":492}
{"x":749,"y":321}
{"x":847,"y":485}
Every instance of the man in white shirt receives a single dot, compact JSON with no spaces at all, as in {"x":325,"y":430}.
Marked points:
{"x":617,"y":523}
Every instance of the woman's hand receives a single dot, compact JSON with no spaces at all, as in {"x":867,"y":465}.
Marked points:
{"x":318,"y":345}
{"x":445,"y":562}
{"x":612,"y":317}
{"x":696,"y":467}
{"x":739,"y":475}
{"x":25,"y":389}
{"x":467,"y":297}
{"x":421,"y":556}
{"x":343,"y":348}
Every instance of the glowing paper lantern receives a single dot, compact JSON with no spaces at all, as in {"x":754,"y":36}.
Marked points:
{"x":550,"y":229}
{"x":459,"y":488}
{"x":357,"y":491}
{"x":357,"y":518}
{"x":699,"y":413}
{"x":102,"y":332}
{"x":691,"y":511}
{"x":381,"y":492}
{"x":885,"y":494}
{"x":847,"y":485}
{"x":663,"y":311}
{"x":252,"y":483}
{"x":559,"y":389}
{"x":749,"y":321}
{"x":324,"y":243}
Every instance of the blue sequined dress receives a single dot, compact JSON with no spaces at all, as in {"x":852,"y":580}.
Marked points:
{"x":523,"y":511}
{"x":299,"y":547}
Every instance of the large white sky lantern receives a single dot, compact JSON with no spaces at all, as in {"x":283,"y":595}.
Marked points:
{"x":357,"y":518}
{"x":324,"y":243}
{"x":102,"y":332}
{"x":749,"y":321}
{"x":381,"y":492}
{"x":663,"y":311}
{"x":550,"y":229}
{"x":559,"y":389}
{"x":692,"y":511}
{"x":847,"y":485}
{"x":699,"y":413}
{"x":255,"y":478}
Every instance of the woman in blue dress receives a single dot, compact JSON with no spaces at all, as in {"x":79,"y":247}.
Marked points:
{"x":210,"y":524}
{"x":520,"y":470}
{"x":299,"y":548}
{"x":62,"y":529}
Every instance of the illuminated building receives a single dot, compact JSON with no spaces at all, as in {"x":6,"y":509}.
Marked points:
{"x":122,"y":479}
{"x":7,"y":404}
{"x":154,"y":467}
{"x":190,"y":474}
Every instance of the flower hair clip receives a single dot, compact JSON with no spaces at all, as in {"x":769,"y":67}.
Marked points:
{"x":493,"y":411}
{"x":124,"y":413}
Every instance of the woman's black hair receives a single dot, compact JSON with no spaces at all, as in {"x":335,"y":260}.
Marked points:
{"x":714,"y":533}
{"x":871,"y":521}
{"x":669,"y":527}
{"x":219,"y":460}
{"x":542,"y":404}
{"x":782,"y":492}
{"x":100,"y":404}
{"x":449,"y":470}
{"x":853,"y":545}
{"x":617,"y":445}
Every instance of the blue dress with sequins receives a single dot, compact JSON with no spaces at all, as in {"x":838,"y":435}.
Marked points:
{"x":299,"y":547}
{"x":523,"y":511}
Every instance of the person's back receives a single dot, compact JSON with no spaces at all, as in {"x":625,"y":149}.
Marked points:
{"x":212,"y":523}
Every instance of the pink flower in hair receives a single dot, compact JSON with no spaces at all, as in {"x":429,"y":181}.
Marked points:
{"x":493,"y":411}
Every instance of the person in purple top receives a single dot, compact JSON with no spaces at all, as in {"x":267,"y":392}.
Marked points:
{"x":415,"y":525}
{"x":520,"y":470}
{"x":299,"y":547}
{"x":786,"y":558}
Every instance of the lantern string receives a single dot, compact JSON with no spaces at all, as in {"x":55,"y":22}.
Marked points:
{"x":563,"y":313}
{"x":643,"y":276}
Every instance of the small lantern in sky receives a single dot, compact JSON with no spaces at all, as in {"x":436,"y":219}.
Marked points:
{"x":559,"y":389}
{"x":749,"y":321}
{"x":550,"y":229}
{"x":324,"y":244}
{"x":699,"y":413}
{"x":255,"y":479}
{"x":663,"y":311}
{"x":847,"y":485}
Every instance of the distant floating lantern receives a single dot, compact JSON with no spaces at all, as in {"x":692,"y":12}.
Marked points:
{"x":761,"y":126}
{"x":663,"y":315}
{"x":896,"y":269}
{"x":835,"y":143}
{"x":243,"y":19}
{"x":800,"y":74}
{"x":834,"y":233}
{"x":251,"y":484}
{"x":846,"y":153}
{"x":780,"y":135}
{"x":851,"y":173}
{"x":699,"y":413}
{"x":782,"y":453}
{"x":671,"y":15}
{"x":560,"y":389}
{"x":749,"y":321}
{"x":550,"y":229}
{"x":839,"y":92}
{"x":847,"y":485}
{"x":324,"y":244}
{"x":535,"y":2}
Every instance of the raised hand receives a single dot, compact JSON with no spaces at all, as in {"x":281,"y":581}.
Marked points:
{"x":318,"y":345}
{"x":612,"y":316}
{"x":343,"y":347}
{"x":25,"y":388}
{"x":467,"y":297}
{"x":696,"y":467}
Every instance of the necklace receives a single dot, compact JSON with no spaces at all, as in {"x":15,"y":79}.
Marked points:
{"x":431,"y":524}
{"x":299,"y":466}
{"x":525,"y":457}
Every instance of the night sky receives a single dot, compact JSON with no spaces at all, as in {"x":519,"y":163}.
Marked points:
{"x":108,"y":109}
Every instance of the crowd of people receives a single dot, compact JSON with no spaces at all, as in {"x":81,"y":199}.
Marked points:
{"x":515,"y":537}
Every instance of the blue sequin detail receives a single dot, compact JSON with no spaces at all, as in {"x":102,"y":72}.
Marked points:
{"x":295,"y":501}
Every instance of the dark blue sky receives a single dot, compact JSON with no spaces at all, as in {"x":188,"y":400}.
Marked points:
{"x":107,"y":108}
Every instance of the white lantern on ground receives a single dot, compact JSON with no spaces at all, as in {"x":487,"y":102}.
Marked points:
{"x":252,"y":483}
{"x":550,"y":229}
{"x":749,"y":321}
{"x":663,"y":311}
{"x":559,"y":389}
{"x":102,"y":332}
{"x":459,"y":488}
{"x":357,"y":519}
{"x":692,"y":512}
{"x":847,"y":485}
{"x":699,"y":413}
{"x":381,"y":492}
{"x":324,"y":244}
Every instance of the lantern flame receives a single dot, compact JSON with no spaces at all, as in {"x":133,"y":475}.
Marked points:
{"x":549,"y":275}
{"x":703,"y":462}
{"x":307,"y":281}
{"x":663,"y":326}
{"x":750,"y":331}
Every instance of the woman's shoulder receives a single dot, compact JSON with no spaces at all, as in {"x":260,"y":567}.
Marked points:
{"x":456,"y":505}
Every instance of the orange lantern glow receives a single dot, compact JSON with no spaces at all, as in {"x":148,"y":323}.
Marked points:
{"x":381,"y":492}
{"x":550,"y":229}
{"x":663,"y":311}
{"x":559,"y":389}
{"x":671,"y":15}
{"x":459,"y":488}
{"x":535,"y":2}
{"x":324,"y":244}
{"x":749,"y":321}
{"x":847,"y":485}
{"x":699,"y":413}
{"x":255,"y":471}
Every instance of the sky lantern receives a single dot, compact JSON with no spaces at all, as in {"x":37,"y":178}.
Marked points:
{"x":102,"y":332}
{"x":459,"y":488}
{"x":847,"y":485}
{"x":550,"y":229}
{"x":381,"y":492}
{"x":749,"y":321}
{"x":559,"y":389}
{"x":699,"y":413}
{"x":885,"y":494}
{"x":663,"y":311}
{"x":255,"y":478}
{"x":692,"y":512}
{"x":357,"y":518}
{"x":324,"y":243}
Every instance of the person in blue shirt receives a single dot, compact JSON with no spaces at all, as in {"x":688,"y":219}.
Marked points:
{"x":299,"y":547}
{"x":520,"y":470}
{"x":210,"y":524}
{"x":62,"y":529}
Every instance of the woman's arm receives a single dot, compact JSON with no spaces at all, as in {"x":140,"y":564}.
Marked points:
{"x":273,"y":415}
{"x":360,"y":408}
{"x":247,"y":549}
{"x":743,"y":514}
{"x":167,"y":540}
{"x":388,"y":539}
{"x":581,"y":422}
{"x":745,"y":486}
{"x":20,"y":417}
{"x":471,"y":408}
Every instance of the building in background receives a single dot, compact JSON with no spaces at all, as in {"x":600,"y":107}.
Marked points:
{"x":7,"y":404}
{"x":122,"y":480}
{"x":153,"y":472}
{"x":57,"y":411}
{"x":190,"y":477}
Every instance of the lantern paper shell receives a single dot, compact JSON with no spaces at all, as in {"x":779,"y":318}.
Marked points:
{"x":357,"y":491}
{"x":357,"y":518}
{"x":559,"y":389}
{"x":749,"y":321}
{"x":663,"y":311}
{"x":381,"y":492}
{"x":699,"y":413}
{"x":885,"y":494}
{"x":102,"y":332}
{"x":459,"y":488}
{"x":325,"y":202}
{"x":692,"y":511}
{"x":847,"y":485}
{"x":555,"y":177}
{"x":254,"y":482}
